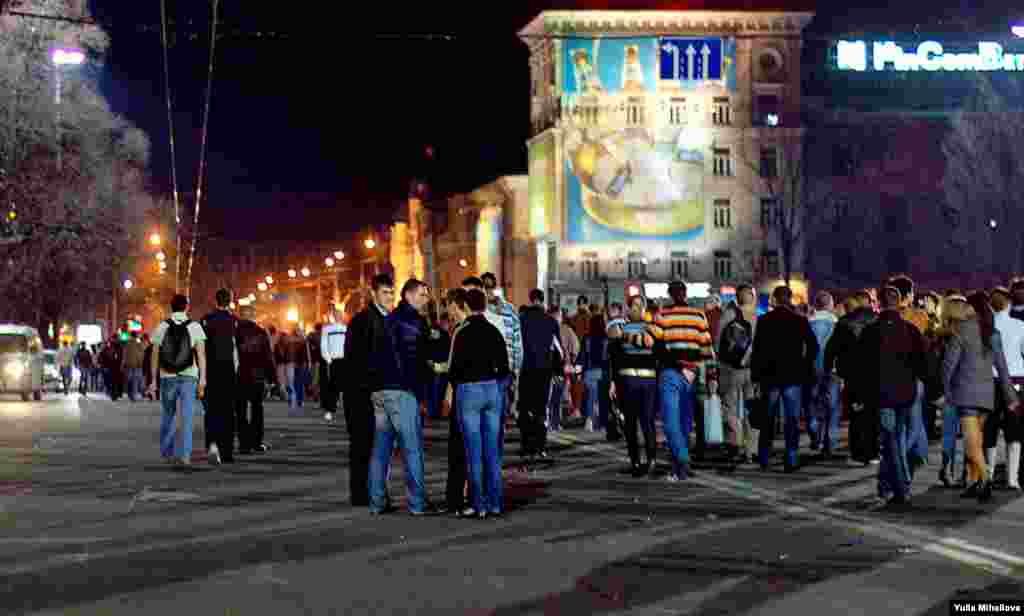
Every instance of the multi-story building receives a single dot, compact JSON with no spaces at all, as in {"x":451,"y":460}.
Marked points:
{"x":663,"y":148}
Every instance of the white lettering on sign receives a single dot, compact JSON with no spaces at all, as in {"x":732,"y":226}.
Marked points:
{"x":929,"y":56}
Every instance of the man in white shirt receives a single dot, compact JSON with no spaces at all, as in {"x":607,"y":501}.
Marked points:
{"x":179,"y":357}
{"x":332,"y":348}
{"x":1011,"y":331}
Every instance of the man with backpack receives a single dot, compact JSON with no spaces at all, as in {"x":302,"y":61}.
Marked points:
{"x":181,"y":363}
{"x":222,"y":368}
{"x":735,"y":338}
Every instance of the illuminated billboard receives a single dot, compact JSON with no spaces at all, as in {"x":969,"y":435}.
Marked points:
{"x":610,"y":66}
{"x":542,"y":185}
{"x":928,"y":56}
{"x":632,"y":184}
{"x":690,"y":62}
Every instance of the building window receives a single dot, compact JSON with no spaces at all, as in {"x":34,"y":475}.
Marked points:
{"x":723,"y":265}
{"x":768,"y":110}
{"x":677,"y":111}
{"x":722,"y":115}
{"x":722,"y":161}
{"x":680,"y":266}
{"x":635,"y":111}
{"x":771,"y":262}
{"x":637,"y":265}
{"x":723,"y":214}
{"x":590,"y":269}
{"x":771,"y":213}
{"x":769,"y":162}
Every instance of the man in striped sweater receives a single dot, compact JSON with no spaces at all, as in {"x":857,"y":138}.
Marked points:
{"x":683,"y":346}
{"x":635,"y":382}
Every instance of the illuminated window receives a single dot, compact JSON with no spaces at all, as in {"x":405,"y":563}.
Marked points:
{"x":768,"y":110}
{"x":589,"y":267}
{"x":722,"y":162}
{"x":680,"y":265}
{"x":722,"y":115}
{"x":723,"y":214}
{"x":637,"y":265}
{"x":677,"y":111}
{"x":723,"y":265}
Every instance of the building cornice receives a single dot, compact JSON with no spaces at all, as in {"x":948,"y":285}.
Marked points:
{"x":655,"y":23}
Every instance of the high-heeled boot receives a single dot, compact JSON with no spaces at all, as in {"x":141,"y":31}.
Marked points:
{"x":1013,"y":466}
{"x":990,"y":462}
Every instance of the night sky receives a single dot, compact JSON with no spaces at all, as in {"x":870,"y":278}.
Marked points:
{"x":318,"y":133}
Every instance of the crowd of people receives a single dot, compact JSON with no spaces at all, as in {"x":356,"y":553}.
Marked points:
{"x":903,"y":366}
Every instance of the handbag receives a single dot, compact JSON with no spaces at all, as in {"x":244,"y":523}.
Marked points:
{"x":713,"y":420}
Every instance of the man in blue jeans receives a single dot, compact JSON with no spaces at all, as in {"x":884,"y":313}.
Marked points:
{"x":180,"y":360}
{"x":683,"y":347}
{"x":824,"y":416}
{"x":396,"y":370}
{"x":782,"y":363}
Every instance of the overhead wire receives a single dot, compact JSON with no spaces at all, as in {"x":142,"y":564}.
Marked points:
{"x":174,"y":159}
{"x":202,"y":146}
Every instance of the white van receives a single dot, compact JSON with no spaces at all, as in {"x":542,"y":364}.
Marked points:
{"x":21,"y":361}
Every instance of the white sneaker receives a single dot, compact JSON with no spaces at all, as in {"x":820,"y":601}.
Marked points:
{"x":672,"y":478}
{"x":588,"y":425}
{"x":329,"y":417}
{"x":875,"y":462}
{"x":214,"y":455}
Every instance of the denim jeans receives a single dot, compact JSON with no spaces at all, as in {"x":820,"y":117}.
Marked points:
{"x":435,"y":395}
{"x":596,"y":385}
{"x":787,"y":399}
{"x":65,"y":378}
{"x":827,"y":409}
{"x":895,"y":474}
{"x":677,"y":398}
{"x":173,"y":389}
{"x":639,"y":400}
{"x":292,"y":386}
{"x":397,"y":415}
{"x":554,"y":420}
{"x":135,"y":383}
{"x":917,"y":438}
{"x":480,"y":416}
{"x":950,"y":430}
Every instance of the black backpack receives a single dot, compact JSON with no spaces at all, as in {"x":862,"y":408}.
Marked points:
{"x":176,"y":353}
{"x":736,"y":339}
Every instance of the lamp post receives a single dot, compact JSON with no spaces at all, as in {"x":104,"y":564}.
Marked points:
{"x":61,"y":58}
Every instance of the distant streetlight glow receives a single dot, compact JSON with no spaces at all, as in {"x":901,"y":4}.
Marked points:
{"x":269,"y":279}
{"x":252,"y":297}
{"x":992,"y":223}
{"x":292,"y":273}
{"x":463,"y":263}
{"x":262,"y":286}
{"x":233,"y":306}
{"x":155,"y":239}
{"x":160,"y":256}
{"x":128,"y":284}
{"x":339,"y":255}
{"x":329,"y":261}
{"x":293,"y":315}
{"x":369,"y":243}
{"x":67,"y":57}
{"x":306,"y":272}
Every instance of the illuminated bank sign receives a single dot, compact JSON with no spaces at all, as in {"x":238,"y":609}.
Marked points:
{"x":929,"y":56}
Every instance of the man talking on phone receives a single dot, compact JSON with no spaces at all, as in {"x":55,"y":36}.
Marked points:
{"x":180,"y":360}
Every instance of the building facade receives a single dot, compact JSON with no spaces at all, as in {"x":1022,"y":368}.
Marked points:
{"x":662,"y":145}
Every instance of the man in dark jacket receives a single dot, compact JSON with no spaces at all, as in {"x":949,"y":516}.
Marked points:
{"x":541,"y":344}
{"x":222,"y":378}
{"x":255,"y":370}
{"x":892,"y":358}
{"x":841,"y":355}
{"x":782,"y":363}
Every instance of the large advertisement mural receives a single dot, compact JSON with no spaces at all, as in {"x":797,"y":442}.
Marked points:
{"x":610,"y":66}
{"x":542,"y":196}
{"x":628,"y":183}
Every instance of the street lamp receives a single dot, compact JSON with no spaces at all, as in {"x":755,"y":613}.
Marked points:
{"x":160,"y":256}
{"x":339,"y":255}
{"x":293,"y":315}
{"x":155,"y":239}
{"x":292,"y":273}
{"x":305,"y":272}
{"x":369,"y":243}
{"x":329,"y":261}
{"x":463,"y":263}
{"x":128,"y":284}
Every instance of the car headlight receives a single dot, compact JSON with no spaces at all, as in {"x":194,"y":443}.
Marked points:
{"x":15,"y":370}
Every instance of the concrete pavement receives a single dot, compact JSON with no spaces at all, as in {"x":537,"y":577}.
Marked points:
{"x":92,"y":522}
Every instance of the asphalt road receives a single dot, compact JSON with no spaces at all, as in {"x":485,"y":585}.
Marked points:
{"x":93,"y":522}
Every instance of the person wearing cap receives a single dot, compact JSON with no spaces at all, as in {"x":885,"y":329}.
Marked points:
{"x":892,"y":357}
{"x":683,"y":347}
{"x":1012,"y":332}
